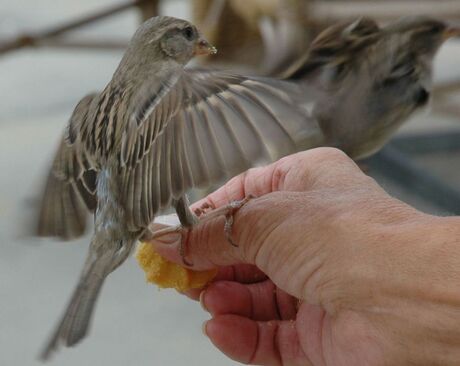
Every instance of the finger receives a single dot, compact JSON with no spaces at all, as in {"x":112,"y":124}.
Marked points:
{"x":257,"y":343}
{"x":206,"y":246}
{"x":261,"y":301}
{"x":292,"y":173}
{"x":243,"y":273}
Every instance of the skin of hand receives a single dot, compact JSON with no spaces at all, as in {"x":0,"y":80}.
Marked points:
{"x":329,"y":270}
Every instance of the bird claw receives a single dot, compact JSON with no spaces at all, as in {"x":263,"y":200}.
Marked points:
{"x":179,"y":229}
{"x":153,"y":235}
{"x":228,"y":211}
{"x":206,"y":212}
{"x":204,"y":208}
{"x":183,"y":249}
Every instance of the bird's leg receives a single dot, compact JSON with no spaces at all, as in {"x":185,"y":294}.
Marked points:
{"x":187,"y":219}
{"x":122,"y":254}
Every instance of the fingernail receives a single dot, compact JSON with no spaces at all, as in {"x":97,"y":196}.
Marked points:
{"x":203,"y":328}
{"x":202,"y":301}
{"x":169,"y":239}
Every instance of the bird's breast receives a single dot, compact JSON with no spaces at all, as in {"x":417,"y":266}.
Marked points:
{"x":110,"y":214}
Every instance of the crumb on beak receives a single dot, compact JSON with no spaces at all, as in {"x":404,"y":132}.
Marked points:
{"x":203,"y":47}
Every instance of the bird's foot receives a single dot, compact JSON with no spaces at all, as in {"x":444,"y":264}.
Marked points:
{"x":179,"y":229}
{"x":153,"y":235}
{"x":228,"y":211}
{"x":204,"y":213}
{"x":204,"y":209}
{"x":183,"y":248}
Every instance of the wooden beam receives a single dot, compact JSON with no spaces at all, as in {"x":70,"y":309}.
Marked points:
{"x":385,"y":10}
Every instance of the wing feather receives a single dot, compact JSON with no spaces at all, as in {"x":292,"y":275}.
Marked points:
{"x":70,"y":190}
{"x":212,"y":125}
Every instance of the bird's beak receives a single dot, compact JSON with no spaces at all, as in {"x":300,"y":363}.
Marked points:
{"x":451,"y":32}
{"x":203,"y":47}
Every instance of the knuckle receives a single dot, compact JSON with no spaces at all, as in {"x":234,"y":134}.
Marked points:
{"x":311,"y":160}
{"x":328,"y":153}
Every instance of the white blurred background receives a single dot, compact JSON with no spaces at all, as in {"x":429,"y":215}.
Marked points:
{"x":135,"y":324}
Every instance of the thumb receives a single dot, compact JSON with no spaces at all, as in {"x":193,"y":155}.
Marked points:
{"x":207,"y":245}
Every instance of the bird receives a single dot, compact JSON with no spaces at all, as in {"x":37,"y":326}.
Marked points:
{"x":252,"y":35}
{"x":369,"y":80}
{"x":159,"y":128}
{"x":156,"y":130}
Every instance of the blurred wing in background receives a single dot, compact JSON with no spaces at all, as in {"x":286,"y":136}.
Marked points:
{"x":335,"y":45}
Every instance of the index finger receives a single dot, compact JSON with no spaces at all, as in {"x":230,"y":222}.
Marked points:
{"x":263,"y":180}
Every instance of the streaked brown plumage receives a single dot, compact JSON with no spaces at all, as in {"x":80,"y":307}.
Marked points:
{"x":158,"y":129}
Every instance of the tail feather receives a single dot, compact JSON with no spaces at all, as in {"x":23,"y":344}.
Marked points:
{"x":103,"y":258}
{"x":74,"y":325}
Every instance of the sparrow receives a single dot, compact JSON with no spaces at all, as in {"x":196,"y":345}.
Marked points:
{"x":369,"y":80}
{"x":155,"y":131}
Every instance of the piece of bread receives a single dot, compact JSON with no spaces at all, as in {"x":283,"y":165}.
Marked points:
{"x":166,"y":274}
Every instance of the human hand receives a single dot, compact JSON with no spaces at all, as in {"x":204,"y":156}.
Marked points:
{"x":329,"y":270}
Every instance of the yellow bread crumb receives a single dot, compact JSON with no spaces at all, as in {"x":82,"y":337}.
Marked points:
{"x":166,"y":274}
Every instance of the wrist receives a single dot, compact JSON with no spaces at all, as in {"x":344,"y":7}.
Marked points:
{"x":422,"y":290}
{"x":433,"y":258}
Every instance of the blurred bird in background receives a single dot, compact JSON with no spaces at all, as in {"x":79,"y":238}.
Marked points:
{"x":256,"y":35}
{"x":369,"y":80}
{"x":158,"y":129}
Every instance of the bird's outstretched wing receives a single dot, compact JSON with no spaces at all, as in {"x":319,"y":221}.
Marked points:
{"x":334,"y":46}
{"x":71,"y":185}
{"x":217,"y":125}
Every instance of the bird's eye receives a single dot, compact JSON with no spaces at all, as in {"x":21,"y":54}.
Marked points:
{"x":402,"y":69}
{"x":432,"y":28}
{"x":436,"y":28}
{"x":188,"y":33}
{"x":421,"y":97}
{"x":400,"y":72}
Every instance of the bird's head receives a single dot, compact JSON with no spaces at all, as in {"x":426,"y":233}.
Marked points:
{"x":420,"y":35}
{"x":392,"y":65}
{"x":335,"y":52}
{"x":342,"y":50}
{"x":403,"y":64}
{"x":164,"y":39}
